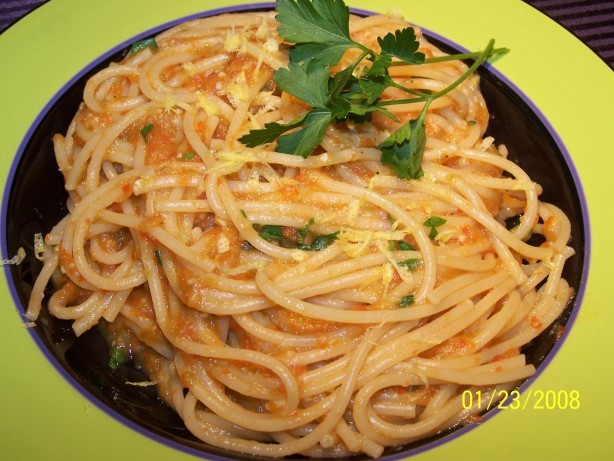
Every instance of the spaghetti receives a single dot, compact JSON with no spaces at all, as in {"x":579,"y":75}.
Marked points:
{"x":284,"y":305}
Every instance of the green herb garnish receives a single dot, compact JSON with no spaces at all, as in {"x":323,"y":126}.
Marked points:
{"x":411,"y":263}
{"x":158,"y":255}
{"x":319,"y":30}
{"x":303,"y":231}
{"x":189,"y":155}
{"x":434,"y":222}
{"x":406,"y":301}
{"x":142,"y":44}
{"x":270,"y":231}
{"x":402,"y":245}
{"x":118,"y":357}
{"x":146,"y":130}
{"x":320,"y":242}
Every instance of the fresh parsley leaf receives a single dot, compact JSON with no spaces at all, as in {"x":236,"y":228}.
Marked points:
{"x":411,"y":263}
{"x":434,"y":222}
{"x":344,"y":80}
{"x":492,"y":55}
{"x":302,"y":142}
{"x":158,"y":255}
{"x":340,"y":107}
{"x":146,"y":130}
{"x":406,"y":301}
{"x":142,"y":44}
{"x":303,"y":231}
{"x":326,"y":54}
{"x":361,"y":113}
{"x":308,"y":82}
{"x":403,"y":45}
{"x":117,"y":358}
{"x":270,"y":232}
{"x":270,"y":132}
{"x":402,"y":245}
{"x":354,"y":98}
{"x":403,"y":149}
{"x":318,"y":21}
{"x":373,"y":87}
{"x":319,"y":31}
{"x":320,"y":242}
{"x":379,"y":66}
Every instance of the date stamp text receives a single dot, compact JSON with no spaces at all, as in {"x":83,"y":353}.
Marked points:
{"x":514,"y":400}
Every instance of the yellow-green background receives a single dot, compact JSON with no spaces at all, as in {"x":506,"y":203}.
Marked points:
{"x":42,"y":417}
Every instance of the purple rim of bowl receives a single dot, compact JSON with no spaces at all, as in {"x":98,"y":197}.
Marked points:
{"x":258,"y":6}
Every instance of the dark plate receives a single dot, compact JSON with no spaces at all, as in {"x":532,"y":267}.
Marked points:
{"x":83,"y":361}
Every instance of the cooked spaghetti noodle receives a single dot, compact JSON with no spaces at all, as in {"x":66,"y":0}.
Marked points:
{"x":284,"y":305}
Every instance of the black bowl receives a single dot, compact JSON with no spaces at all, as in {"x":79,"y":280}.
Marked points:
{"x":36,"y":202}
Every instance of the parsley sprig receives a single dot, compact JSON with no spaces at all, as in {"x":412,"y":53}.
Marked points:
{"x":319,"y":30}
